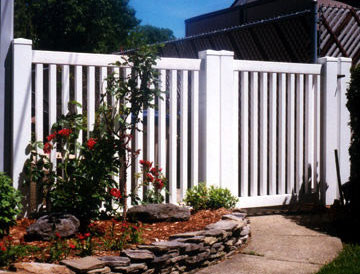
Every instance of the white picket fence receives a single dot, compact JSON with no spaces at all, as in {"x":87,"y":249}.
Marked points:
{"x":265,"y":130}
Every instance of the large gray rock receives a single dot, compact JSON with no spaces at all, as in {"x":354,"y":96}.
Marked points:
{"x":47,"y":226}
{"x":40,"y":268}
{"x":158,"y":213}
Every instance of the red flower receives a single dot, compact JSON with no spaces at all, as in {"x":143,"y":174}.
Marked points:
{"x":154,"y":171}
{"x":115,"y":192}
{"x":80,"y":237}
{"x":149,"y":177}
{"x":57,"y":235}
{"x":64,"y":132}
{"x":87,"y":235}
{"x":159,"y":184}
{"x":3,"y":248}
{"x":47,"y":148}
{"x":72,"y":246}
{"x":51,"y":136}
{"x":91,"y":143}
{"x":146,"y":163}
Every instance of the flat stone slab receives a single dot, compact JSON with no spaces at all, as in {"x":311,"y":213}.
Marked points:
{"x":103,"y":270}
{"x":187,"y":234}
{"x":85,"y":264}
{"x":113,"y":261}
{"x":41,"y":268}
{"x":227,"y":225}
{"x":138,"y":255}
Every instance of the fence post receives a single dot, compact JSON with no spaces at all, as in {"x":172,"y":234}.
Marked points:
{"x":21,"y":106}
{"x":6,"y":33}
{"x":329,"y":129}
{"x":229,"y":134}
{"x":344,"y":65}
{"x":209,"y":117}
{"x":217,"y":120}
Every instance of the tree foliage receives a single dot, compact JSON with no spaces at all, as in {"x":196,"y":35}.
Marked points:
{"x":75,"y":25}
{"x":153,"y":34}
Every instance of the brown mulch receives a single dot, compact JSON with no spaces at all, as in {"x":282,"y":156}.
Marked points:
{"x":150,"y":232}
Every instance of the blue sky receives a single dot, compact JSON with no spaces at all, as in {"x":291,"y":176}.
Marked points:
{"x":172,"y":13}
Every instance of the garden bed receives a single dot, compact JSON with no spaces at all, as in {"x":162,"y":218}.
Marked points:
{"x":179,"y":247}
{"x":149,"y":232}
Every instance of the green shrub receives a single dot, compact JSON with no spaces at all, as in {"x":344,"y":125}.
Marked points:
{"x":10,"y":205}
{"x":221,"y":197}
{"x":202,"y":197}
{"x":197,"y":197}
{"x":353,"y":96}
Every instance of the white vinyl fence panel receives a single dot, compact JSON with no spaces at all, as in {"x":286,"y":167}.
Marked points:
{"x":265,"y":130}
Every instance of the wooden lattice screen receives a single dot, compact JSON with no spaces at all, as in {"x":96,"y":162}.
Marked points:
{"x":339,"y":32}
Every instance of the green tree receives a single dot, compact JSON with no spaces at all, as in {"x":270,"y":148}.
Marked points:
{"x":75,"y":25}
{"x":153,"y":34}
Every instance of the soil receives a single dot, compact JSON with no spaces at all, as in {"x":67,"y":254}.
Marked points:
{"x":149,"y":232}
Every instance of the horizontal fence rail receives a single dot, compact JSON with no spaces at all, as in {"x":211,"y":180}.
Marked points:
{"x":264,"y":130}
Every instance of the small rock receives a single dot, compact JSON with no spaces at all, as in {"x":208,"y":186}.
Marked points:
{"x":218,"y":233}
{"x":210,"y":240}
{"x":104,"y":270}
{"x":195,"y":239}
{"x":187,"y":234}
{"x":137,"y":255}
{"x":226,"y":225}
{"x":113,"y":261}
{"x":158,"y":213}
{"x":198,"y":258}
{"x":245,"y":231}
{"x":40,"y":268}
{"x":84,"y":265}
{"x":133,"y":268}
{"x":47,"y":226}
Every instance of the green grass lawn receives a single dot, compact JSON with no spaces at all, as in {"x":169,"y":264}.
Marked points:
{"x":348,"y":262}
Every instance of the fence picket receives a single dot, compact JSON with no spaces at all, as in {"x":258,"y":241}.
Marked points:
{"x":263,"y":133}
{"x":244,"y":131}
{"x":173,"y":137}
{"x":162,"y":124}
{"x":194,"y":128}
{"x":52,"y":105}
{"x":309,"y":137}
{"x":39,"y":105}
{"x":90,"y":99}
{"x":272,"y":133}
{"x":79,"y":94}
{"x":139,"y":145}
{"x":299,"y":131}
{"x":254,"y":161}
{"x":290,"y":133}
{"x":65,"y":88}
{"x":282,"y":133}
{"x":183,"y":134}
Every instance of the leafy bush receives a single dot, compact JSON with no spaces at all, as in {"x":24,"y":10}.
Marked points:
{"x":353,"y":96}
{"x":202,"y":197}
{"x":10,"y":205}
{"x":221,"y":197}
{"x":197,"y":197}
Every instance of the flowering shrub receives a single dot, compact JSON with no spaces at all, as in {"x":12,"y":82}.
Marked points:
{"x":9,"y":253}
{"x":57,"y":251}
{"x":128,"y":233}
{"x":81,"y":181}
{"x":84,"y":244}
{"x":154,"y":181}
